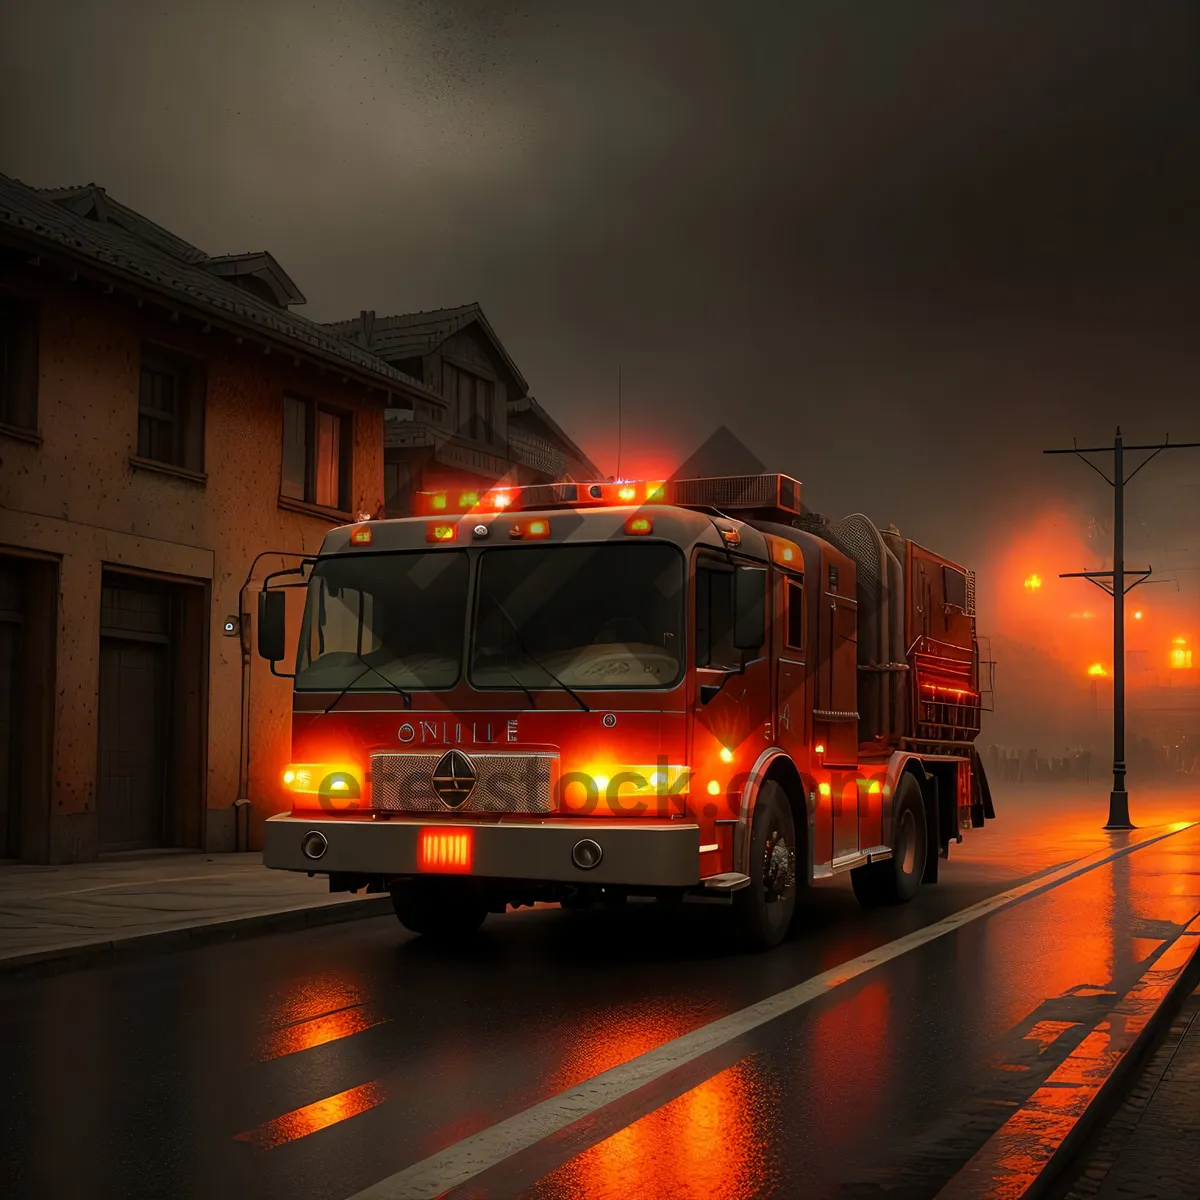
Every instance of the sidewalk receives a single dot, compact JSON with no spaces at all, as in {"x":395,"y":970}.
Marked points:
{"x":1150,"y":1148}
{"x":48,"y":914}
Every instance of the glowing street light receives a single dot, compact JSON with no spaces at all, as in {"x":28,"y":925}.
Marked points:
{"x":1181,"y":656}
{"x":1033,"y":582}
{"x":1097,"y":671}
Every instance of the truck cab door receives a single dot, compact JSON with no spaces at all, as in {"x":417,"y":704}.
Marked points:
{"x":731,"y":702}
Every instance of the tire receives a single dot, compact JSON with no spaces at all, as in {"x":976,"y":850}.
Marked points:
{"x":763,"y":910}
{"x":896,"y":880}
{"x":441,"y":909}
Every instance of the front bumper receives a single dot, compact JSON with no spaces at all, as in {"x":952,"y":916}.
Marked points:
{"x":636,"y":853}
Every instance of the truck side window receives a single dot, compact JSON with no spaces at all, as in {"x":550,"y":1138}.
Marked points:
{"x":954,"y":588}
{"x":795,"y":615}
{"x":714,"y":618}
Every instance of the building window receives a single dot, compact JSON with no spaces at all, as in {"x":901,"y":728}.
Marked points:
{"x":471,"y":403}
{"x":171,"y":409}
{"x":18,"y":364}
{"x":317,"y":447}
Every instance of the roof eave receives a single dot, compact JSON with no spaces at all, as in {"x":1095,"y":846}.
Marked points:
{"x":232,"y":321}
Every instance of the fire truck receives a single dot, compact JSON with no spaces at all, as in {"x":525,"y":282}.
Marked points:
{"x":591,"y":693}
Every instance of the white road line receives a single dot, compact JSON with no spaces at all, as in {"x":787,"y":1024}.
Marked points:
{"x":456,"y":1164}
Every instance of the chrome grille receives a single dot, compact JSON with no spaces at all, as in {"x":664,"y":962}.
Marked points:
{"x":513,"y":782}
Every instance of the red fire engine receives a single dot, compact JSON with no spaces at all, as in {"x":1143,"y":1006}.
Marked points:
{"x":589,"y":692}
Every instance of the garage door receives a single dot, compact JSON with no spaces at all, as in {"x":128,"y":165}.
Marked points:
{"x":10,"y":669}
{"x":135,"y":656}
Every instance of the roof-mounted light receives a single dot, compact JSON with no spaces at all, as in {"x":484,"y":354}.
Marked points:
{"x":725,"y":493}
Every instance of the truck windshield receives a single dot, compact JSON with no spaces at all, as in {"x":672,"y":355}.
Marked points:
{"x":399,"y":616}
{"x":604,"y":616}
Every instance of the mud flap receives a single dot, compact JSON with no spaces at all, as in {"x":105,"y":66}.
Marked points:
{"x":933,"y":831}
{"x":982,"y":808}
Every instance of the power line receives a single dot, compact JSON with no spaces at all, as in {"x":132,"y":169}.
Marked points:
{"x":1118,"y":800}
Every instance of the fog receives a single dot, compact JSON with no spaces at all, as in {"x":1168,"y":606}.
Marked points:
{"x":898,"y":251}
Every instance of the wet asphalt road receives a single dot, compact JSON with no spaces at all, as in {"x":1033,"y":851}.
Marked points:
{"x":314,"y":1064}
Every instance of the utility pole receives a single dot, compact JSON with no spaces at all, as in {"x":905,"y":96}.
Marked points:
{"x":1118,"y":800}
{"x":618,"y":420}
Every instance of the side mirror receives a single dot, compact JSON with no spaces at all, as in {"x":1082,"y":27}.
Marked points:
{"x":749,"y":608}
{"x":272,"y":625}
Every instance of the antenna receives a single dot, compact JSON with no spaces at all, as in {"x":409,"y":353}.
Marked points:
{"x":618,"y":420}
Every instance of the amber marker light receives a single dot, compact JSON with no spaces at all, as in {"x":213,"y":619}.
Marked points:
{"x":726,"y":754}
{"x":819,"y":748}
{"x":361,"y":536}
{"x":537,"y":529}
{"x":641,"y":525}
{"x":824,"y":789}
{"x":438,"y":532}
{"x":445,"y":851}
{"x":714,"y":788}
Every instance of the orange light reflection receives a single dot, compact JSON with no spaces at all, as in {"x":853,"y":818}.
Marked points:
{"x":710,"y":1142}
{"x":329,"y":1028}
{"x":300,"y":1122}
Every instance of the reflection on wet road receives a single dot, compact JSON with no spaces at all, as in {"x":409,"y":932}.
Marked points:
{"x":316,"y":1064}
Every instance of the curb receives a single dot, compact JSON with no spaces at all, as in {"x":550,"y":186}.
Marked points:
{"x":187,"y":937}
{"x":1027,"y":1156}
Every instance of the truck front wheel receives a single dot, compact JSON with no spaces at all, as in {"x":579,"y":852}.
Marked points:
{"x":763,"y":909}
{"x":895,"y":880}
{"x":446,"y":909}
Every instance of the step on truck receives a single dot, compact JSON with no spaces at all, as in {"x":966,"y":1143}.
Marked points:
{"x":588,"y":693}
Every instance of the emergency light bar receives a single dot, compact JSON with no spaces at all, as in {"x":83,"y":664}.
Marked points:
{"x":728,"y":493}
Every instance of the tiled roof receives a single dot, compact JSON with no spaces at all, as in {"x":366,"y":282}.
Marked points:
{"x":130,"y":248}
{"x":527,"y":404}
{"x":411,"y":335}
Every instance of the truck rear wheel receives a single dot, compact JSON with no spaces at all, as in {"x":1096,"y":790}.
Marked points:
{"x":445,"y":909}
{"x":897,"y":879}
{"x":763,"y":909}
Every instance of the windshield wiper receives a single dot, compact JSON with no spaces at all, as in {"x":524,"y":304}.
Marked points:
{"x":368,"y":667}
{"x":516,"y":679}
{"x":536,"y":662}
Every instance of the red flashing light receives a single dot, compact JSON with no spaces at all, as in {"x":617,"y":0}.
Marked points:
{"x":639,"y":525}
{"x":445,"y":851}
{"x":537,"y":529}
{"x":440,"y":531}
{"x":360,"y":536}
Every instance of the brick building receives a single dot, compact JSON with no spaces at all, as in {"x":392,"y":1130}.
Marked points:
{"x":484,"y":426}
{"x":164,"y":418}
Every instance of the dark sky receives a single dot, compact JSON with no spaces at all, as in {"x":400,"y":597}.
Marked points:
{"x":896,"y":247}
